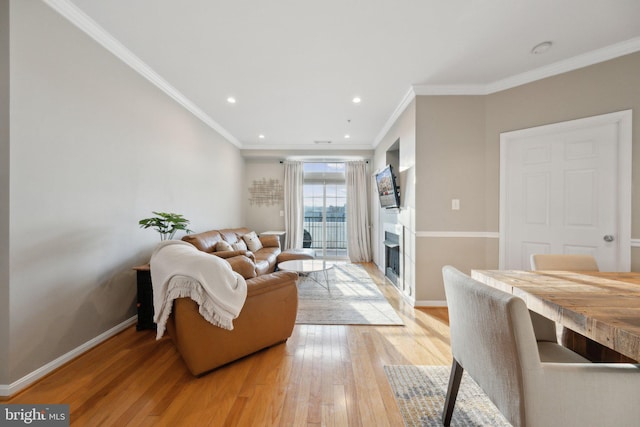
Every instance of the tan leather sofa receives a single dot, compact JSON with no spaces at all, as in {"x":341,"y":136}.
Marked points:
{"x":267,"y":317}
{"x":265,"y":259}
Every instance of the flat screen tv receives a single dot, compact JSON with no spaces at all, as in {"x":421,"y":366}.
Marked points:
{"x":387,"y":188}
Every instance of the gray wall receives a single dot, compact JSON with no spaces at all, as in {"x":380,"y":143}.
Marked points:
{"x":94,"y":148}
{"x":458,"y":156}
{"x":263,"y":218}
{"x":4,"y":190}
{"x":450,"y":154}
{"x":450,"y":136}
{"x":599,"y":89}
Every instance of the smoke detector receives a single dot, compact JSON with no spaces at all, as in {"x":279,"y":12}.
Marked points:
{"x":541,"y":48}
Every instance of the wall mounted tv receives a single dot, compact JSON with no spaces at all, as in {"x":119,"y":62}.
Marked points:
{"x":388,"y":191}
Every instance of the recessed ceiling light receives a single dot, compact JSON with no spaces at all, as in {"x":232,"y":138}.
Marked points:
{"x":541,"y":48}
{"x":347,"y":136}
{"x":261,"y":136}
{"x":356,"y":100}
{"x":231,"y":100}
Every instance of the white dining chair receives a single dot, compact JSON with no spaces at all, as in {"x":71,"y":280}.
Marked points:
{"x":563,"y":262}
{"x":532,"y":383}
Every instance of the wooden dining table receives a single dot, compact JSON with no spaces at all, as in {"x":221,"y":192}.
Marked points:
{"x":604,"y":307}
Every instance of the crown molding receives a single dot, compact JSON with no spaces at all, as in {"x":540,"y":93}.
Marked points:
{"x":579,"y":61}
{"x":570,"y":64}
{"x":90,"y":27}
{"x":81,"y":20}
{"x":406,"y":100}
{"x":450,"y":89}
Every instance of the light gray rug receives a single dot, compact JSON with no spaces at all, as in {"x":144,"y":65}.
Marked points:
{"x":421,"y":390}
{"x":352,"y":299}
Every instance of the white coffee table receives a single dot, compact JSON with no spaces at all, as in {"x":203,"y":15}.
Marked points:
{"x":307,"y":266}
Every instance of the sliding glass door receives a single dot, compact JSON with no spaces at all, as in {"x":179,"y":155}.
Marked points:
{"x":325,"y":208}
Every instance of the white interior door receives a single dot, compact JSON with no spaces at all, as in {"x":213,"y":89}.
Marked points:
{"x":565,"y":188}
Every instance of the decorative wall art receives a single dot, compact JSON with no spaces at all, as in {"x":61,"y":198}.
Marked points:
{"x":266,"y":192}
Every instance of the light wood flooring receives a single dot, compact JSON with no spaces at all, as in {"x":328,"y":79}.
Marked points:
{"x":323,"y":375}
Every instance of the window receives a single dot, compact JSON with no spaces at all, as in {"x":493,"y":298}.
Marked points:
{"x":325,"y":207}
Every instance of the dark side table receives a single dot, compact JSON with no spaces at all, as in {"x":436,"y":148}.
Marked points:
{"x":145,"y":298}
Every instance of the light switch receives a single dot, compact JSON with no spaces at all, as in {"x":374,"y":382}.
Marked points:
{"x":281,"y":213}
{"x":455,"y":204}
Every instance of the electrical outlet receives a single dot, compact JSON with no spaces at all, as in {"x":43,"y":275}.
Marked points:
{"x":455,"y":204}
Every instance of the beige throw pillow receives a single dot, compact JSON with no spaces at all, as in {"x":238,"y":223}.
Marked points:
{"x":252,"y":241}
{"x":223,"y":246}
{"x":239,"y":246}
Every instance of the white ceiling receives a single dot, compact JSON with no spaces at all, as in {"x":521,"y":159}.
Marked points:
{"x":295,"y":65}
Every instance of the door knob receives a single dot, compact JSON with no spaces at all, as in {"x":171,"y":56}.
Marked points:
{"x":609,"y":238}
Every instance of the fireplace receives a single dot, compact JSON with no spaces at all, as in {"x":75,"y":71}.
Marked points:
{"x":393,"y":254}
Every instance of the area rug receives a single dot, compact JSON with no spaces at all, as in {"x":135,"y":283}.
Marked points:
{"x":352,"y":298}
{"x":421,"y":390}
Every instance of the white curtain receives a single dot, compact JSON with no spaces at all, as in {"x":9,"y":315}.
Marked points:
{"x":358,"y":233}
{"x":293,"y":203}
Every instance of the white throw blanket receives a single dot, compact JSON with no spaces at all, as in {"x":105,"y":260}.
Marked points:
{"x":179,"y":269}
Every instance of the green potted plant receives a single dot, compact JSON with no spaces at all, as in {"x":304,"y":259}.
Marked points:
{"x":166,"y":224}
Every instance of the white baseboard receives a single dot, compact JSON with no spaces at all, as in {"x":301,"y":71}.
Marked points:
{"x":27,"y":380}
{"x":430,"y":303}
{"x":412,"y":301}
{"x":408,"y":299}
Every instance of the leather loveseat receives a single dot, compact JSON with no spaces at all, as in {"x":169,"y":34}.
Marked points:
{"x":267,"y":317}
{"x":264,"y":258}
